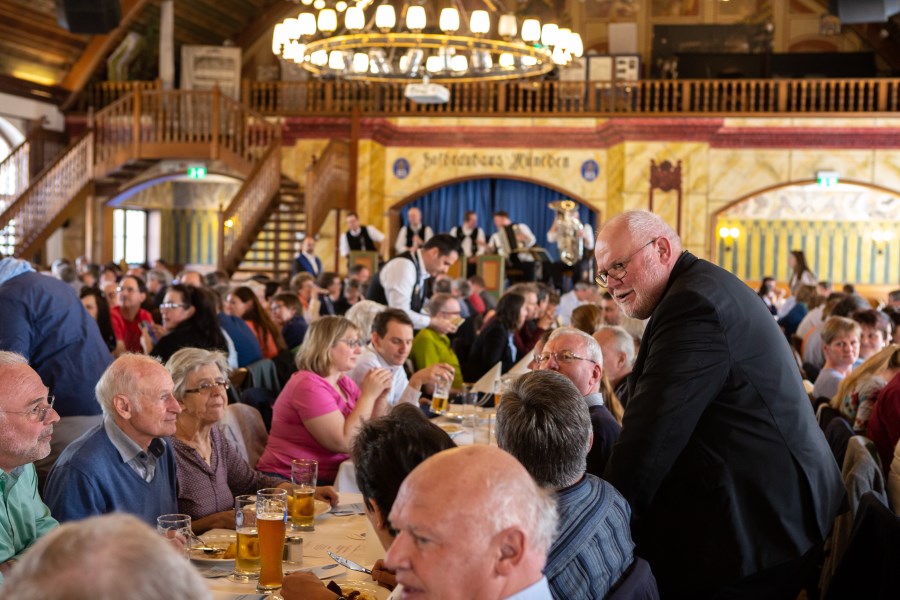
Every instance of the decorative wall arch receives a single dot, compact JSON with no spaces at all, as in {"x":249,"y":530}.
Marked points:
{"x":838,"y":242}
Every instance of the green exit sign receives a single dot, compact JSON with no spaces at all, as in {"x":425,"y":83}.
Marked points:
{"x":196,"y":172}
{"x":827,"y":179}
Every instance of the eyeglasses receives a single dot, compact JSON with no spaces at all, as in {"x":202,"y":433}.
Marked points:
{"x":207,"y":388}
{"x":617,"y":270}
{"x":357,"y":343}
{"x":170,"y":305}
{"x":563,"y":357}
{"x":37,"y":414}
{"x":127,"y":289}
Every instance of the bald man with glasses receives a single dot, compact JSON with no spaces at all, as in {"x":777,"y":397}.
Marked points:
{"x":576,"y":355}
{"x":26,"y":426}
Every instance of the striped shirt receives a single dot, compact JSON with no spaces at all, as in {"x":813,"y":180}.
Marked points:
{"x":593,"y":546}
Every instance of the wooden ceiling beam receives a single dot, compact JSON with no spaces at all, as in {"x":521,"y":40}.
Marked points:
{"x":32,"y":91}
{"x":98,"y":49}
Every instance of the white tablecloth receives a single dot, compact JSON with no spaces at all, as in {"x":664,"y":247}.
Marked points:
{"x":350,"y":536}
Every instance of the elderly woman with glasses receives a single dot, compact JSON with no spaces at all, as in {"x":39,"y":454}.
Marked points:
{"x":211,"y":472}
{"x":320,"y":410}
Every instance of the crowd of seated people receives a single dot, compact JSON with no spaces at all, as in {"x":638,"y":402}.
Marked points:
{"x":356,"y":385}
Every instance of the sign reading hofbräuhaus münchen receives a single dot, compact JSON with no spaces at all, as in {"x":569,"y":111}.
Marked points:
{"x":517,"y":161}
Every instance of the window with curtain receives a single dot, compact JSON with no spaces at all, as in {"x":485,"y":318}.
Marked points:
{"x":526,"y":202}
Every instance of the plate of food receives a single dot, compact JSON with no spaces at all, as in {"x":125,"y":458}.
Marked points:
{"x":322,"y":508}
{"x":452,"y":429}
{"x":353,"y":589}
{"x":220,"y":549}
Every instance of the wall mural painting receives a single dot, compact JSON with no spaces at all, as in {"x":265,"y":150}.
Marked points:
{"x":675,"y":8}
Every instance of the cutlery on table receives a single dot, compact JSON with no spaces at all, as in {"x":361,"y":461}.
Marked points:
{"x":346,"y":562}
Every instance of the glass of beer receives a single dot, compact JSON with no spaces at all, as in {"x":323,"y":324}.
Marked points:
{"x":440,"y":399}
{"x":271,"y":516}
{"x":246,"y":560}
{"x":304,"y":473}
{"x":176,"y":528}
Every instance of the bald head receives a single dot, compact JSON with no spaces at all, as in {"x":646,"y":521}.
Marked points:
{"x":636,"y":252}
{"x":471,"y":524}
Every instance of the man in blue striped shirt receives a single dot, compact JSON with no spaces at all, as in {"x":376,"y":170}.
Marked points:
{"x":543,"y":421}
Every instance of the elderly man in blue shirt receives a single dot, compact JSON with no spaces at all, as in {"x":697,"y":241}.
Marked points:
{"x":26,"y":426}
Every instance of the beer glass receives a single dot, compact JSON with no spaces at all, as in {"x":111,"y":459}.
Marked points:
{"x":178,"y":529}
{"x":440,"y":399}
{"x":304,"y":473}
{"x":246,"y":560}
{"x":271,"y":515}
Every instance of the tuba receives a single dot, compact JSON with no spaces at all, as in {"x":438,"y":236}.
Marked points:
{"x":568,"y":226}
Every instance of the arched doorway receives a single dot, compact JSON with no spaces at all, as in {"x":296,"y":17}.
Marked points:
{"x":849,"y":232}
{"x":526,"y":201}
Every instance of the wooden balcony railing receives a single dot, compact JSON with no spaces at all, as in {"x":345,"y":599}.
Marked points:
{"x":104,"y":93}
{"x":160,"y":124}
{"x":328,"y":184}
{"x":640,"y":98}
{"x":247,"y":212}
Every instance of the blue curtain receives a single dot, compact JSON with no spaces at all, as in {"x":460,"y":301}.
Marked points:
{"x":443,"y":208}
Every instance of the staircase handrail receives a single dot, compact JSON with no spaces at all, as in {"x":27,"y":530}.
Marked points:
{"x":50,"y":192}
{"x":247,"y":211}
{"x":14,"y":174}
{"x":328,"y":184}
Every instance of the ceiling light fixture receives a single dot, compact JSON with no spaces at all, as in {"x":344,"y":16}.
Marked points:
{"x":407,"y":40}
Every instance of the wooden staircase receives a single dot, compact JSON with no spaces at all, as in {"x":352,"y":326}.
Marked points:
{"x":140,"y":128}
{"x":278,"y":242}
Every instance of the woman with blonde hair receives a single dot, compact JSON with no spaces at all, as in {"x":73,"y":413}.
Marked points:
{"x":320,"y":409}
{"x":856,"y":394}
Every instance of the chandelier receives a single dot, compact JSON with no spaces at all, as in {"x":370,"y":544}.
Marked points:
{"x":442,"y":41}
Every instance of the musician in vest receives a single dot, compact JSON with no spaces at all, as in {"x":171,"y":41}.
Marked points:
{"x":471,"y":239}
{"x":412,"y":235}
{"x":507,"y":239}
{"x":401,"y":282}
{"x":307,"y":261}
{"x":359,"y":237}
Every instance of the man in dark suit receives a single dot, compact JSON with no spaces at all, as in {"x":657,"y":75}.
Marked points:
{"x":731,"y":482}
{"x":307,"y":261}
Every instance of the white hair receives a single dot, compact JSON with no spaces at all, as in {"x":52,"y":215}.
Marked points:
{"x":624,"y":341}
{"x":104,"y":558}
{"x":590,"y":344}
{"x":122,"y":377}
{"x":187,"y":360}
{"x":8,"y":359}
{"x":642,"y":224}
{"x":362,"y":314}
{"x":520,"y":502}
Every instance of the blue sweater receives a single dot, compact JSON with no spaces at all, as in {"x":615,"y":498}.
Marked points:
{"x":90,"y":478}
{"x":593,"y":546}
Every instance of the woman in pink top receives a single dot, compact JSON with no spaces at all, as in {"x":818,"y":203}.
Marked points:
{"x":320,"y":409}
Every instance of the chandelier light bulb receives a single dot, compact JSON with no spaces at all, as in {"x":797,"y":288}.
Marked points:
{"x":449,"y":22}
{"x":279,"y":38}
{"x":360,"y":62}
{"x":549,"y":34}
{"x":319,"y":58}
{"x":507,"y":61}
{"x":563,"y":39}
{"x":290,"y":29}
{"x":385,"y":17}
{"x":577,"y":46}
{"x":459,"y":63}
{"x":336,"y":60}
{"x":506,"y":26}
{"x":529,"y":61}
{"x":480,"y":22}
{"x":433,"y":64}
{"x":319,"y":4}
{"x":327,"y":20}
{"x":354,"y":19}
{"x":415,"y":18}
{"x":340,"y":6}
{"x":531,"y":30}
{"x":559,"y":56}
{"x":306,"y":2}
{"x":307,"y":24}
